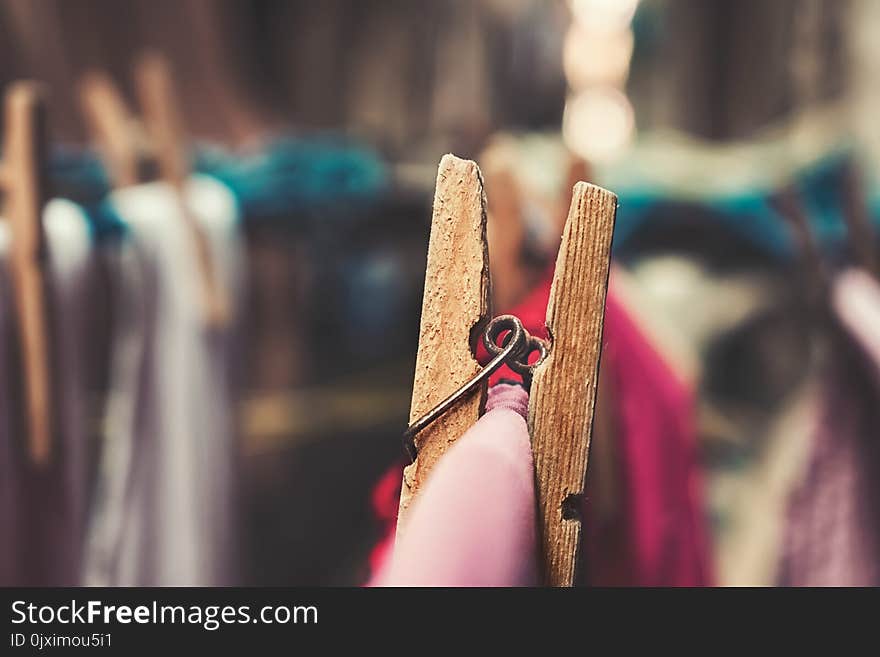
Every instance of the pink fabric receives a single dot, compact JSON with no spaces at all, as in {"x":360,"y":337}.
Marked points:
{"x":832,"y":535}
{"x":657,"y":535}
{"x":473,"y":523}
{"x":385,"y":500}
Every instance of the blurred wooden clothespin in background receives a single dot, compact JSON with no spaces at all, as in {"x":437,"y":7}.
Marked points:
{"x":25,"y":190}
{"x":861,"y":233}
{"x":138,"y":151}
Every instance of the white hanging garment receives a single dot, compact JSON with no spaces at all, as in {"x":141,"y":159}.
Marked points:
{"x":166,"y":505}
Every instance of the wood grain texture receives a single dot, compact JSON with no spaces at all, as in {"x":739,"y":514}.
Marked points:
{"x":24,"y":178}
{"x":456,"y":299}
{"x":564,"y":386}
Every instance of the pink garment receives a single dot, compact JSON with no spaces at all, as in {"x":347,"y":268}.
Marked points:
{"x":832,"y":535}
{"x":473,"y":523}
{"x":657,"y":535}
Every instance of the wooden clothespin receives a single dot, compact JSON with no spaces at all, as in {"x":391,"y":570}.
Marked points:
{"x":860,"y":232}
{"x":506,"y":234}
{"x":789,"y":203}
{"x":455,"y":309}
{"x":140,"y":151}
{"x":127,"y":151}
{"x":455,"y":303}
{"x":24,"y":182}
{"x":166,"y":128}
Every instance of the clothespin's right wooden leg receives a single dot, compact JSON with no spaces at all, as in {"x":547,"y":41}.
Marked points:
{"x":456,"y":301}
{"x":564,"y":386}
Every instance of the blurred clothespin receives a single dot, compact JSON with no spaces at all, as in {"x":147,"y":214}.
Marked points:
{"x":154,"y":148}
{"x":449,"y":388}
{"x":24,"y":183}
{"x":127,"y":151}
{"x":861,"y":234}
{"x":789,"y":203}
{"x":165,"y":126}
{"x":506,"y":234}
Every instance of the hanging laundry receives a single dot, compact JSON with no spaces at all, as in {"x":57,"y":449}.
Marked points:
{"x":308,"y":178}
{"x":474,"y":522}
{"x":166,"y":501}
{"x":42,"y":508}
{"x":656,"y":534}
{"x":832,"y":533}
{"x":675,"y":216}
{"x":77,"y":175}
{"x":747,"y":361}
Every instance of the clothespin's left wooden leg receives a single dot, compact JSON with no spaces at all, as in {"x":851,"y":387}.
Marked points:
{"x":455,"y":303}
{"x":564,"y":385}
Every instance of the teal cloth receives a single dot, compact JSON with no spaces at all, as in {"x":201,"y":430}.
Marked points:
{"x":302,"y":179}
{"x":319,"y":177}
{"x":751,"y":215}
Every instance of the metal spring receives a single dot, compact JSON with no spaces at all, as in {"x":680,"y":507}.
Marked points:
{"x":515,"y":350}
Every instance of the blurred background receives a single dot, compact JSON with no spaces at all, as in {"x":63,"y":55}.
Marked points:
{"x":740,"y":136}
